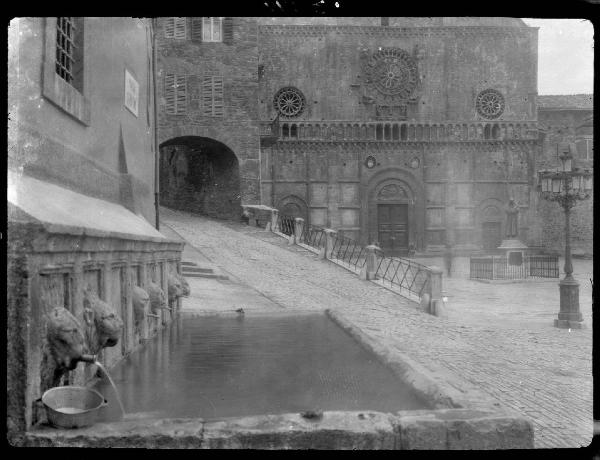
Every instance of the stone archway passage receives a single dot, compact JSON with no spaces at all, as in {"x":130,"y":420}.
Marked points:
{"x":200,"y":175}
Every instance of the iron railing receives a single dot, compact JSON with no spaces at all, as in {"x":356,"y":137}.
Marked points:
{"x":348,"y":251}
{"x":498,"y":267}
{"x":313,"y":236}
{"x":544,"y":266}
{"x":403,"y":273}
{"x":286,"y":224}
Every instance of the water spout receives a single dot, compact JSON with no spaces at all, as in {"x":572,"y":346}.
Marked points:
{"x":152,"y":315}
{"x":91,"y":359}
{"x":105,"y":372}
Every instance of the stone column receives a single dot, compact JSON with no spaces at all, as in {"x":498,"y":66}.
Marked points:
{"x":325,"y":252}
{"x":274,"y":220}
{"x":163,"y":272}
{"x":144,"y":326}
{"x":435,"y":291}
{"x":367,"y":272}
{"x":299,"y":229}
{"x":126,"y":290}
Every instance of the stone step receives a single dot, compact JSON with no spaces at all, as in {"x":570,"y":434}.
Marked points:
{"x":190,"y":269}
{"x":205,"y":275}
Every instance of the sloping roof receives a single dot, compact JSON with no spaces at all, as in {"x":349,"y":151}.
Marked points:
{"x":566,"y":101}
{"x":64,"y":211}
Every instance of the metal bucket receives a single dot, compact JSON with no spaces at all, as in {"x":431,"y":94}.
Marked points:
{"x":72,"y":407}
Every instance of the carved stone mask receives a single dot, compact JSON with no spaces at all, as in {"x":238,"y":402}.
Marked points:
{"x":185,"y":287}
{"x":157,"y":297}
{"x":108,"y":324}
{"x":175,"y":287}
{"x":65,"y":338}
{"x":141,"y":303}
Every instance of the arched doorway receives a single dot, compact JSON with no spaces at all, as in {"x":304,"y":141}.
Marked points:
{"x":293,"y":206}
{"x":200,"y":175}
{"x":393,"y":203}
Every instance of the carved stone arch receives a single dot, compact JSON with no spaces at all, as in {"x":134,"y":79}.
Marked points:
{"x":393,"y":185}
{"x":294,"y":206}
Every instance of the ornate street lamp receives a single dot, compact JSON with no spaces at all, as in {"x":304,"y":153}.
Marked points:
{"x":566,"y":186}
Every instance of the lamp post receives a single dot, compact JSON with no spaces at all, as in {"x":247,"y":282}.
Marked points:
{"x":566,"y":186}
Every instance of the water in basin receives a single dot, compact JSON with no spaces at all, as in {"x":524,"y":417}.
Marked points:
{"x":215,"y":367}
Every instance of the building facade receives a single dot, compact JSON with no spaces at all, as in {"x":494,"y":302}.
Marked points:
{"x":566,"y":118}
{"x":410,"y":132}
{"x":208,"y":124}
{"x":81,"y":170}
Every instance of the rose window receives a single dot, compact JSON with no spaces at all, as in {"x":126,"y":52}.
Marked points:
{"x":490,"y":103}
{"x":392,"y":72}
{"x":289,"y":102}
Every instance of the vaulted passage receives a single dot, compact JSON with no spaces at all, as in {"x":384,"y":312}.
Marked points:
{"x":200,"y":175}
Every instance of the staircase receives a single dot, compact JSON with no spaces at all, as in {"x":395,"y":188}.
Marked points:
{"x":192,"y":270}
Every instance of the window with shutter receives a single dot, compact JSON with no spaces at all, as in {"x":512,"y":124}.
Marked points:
{"x":218,"y":96}
{"x":212,"y":96}
{"x":228,"y":31}
{"x":212,"y":29}
{"x":175,"y":94}
{"x":175,"y":28}
{"x":196,"y":29}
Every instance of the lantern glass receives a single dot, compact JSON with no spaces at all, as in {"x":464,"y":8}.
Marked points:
{"x":588,"y":183}
{"x":577,"y":182}
{"x":556,"y":182}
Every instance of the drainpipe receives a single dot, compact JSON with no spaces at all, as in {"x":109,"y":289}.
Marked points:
{"x":156,"y":147}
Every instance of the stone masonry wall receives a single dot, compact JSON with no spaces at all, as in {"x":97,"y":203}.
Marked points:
{"x":560,"y":126}
{"x":237,"y":63}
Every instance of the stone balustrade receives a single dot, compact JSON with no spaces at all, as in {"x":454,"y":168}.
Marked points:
{"x":402,"y":131}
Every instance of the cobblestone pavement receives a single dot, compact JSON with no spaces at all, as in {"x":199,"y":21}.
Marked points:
{"x":542,"y":372}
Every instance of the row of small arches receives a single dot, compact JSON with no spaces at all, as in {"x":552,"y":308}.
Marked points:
{"x":408,"y":132}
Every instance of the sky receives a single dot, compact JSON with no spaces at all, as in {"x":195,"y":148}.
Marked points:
{"x":565,"y":55}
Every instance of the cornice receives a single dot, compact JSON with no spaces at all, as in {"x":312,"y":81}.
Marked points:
{"x":345,"y":145}
{"x":394,"y":32}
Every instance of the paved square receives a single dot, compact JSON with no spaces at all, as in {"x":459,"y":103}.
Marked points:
{"x":497,"y":337}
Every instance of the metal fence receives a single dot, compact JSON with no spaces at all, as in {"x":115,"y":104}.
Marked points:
{"x":286,"y":224}
{"x":403,"y":273}
{"x":348,"y":251}
{"x":499,"y":268}
{"x":543,"y":266}
{"x":313,"y":236}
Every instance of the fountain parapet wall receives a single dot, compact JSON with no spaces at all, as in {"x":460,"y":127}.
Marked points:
{"x":77,"y":280}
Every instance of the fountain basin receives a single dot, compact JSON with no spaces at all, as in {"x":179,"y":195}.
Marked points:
{"x":418,"y":408}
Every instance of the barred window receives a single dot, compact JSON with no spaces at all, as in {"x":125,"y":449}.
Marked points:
{"x":212,"y":29}
{"x":69,"y":50}
{"x":175,"y":28}
{"x":212,"y":96}
{"x":175,"y":94}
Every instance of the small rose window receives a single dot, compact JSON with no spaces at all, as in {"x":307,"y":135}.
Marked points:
{"x":289,"y":102}
{"x":490,"y":103}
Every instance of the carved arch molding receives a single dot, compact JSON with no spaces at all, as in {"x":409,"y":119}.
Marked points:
{"x":294,"y":206}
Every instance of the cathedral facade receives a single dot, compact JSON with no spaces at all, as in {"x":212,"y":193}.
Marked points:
{"x":411,"y":133}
